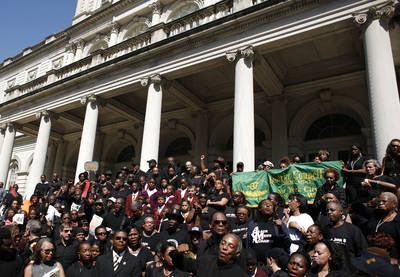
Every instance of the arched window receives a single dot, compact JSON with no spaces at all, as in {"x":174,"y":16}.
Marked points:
{"x":137,"y":29}
{"x":259,"y":137}
{"x":333,"y":125}
{"x":98,"y":45}
{"x":12,"y":174}
{"x":179,"y":147}
{"x":182,"y":11}
{"x":126,"y":155}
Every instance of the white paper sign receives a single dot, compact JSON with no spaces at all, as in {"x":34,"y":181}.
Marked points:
{"x":18,"y":218}
{"x":75,"y":207}
{"x":94,"y":223}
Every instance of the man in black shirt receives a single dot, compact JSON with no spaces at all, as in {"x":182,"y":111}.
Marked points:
{"x":66,"y":248}
{"x":224,"y":266}
{"x":219,"y":228}
{"x":174,"y":232}
{"x":347,"y":235}
{"x":150,"y":237}
{"x":42,"y":188}
{"x":117,"y":219}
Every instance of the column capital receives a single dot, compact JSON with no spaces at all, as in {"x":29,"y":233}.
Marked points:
{"x":71,"y":47}
{"x":46,"y":114}
{"x":152,"y":79}
{"x":246,"y":52}
{"x":80,"y":43}
{"x":91,"y":98}
{"x":115,"y":27}
{"x":156,"y":7}
{"x":11,"y":126}
{"x":383,"y":13}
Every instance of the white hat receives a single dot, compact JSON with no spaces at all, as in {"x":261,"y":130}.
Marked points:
{"x":268,"y":163}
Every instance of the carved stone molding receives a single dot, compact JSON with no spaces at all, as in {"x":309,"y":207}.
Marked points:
{"x":89,"y":99}
{"x":32,"y":74}
{"x":57,"y":63}
{"x":152,"y":79}
{"x":115,"y":27}
{"x":46,"y":114}
{"x":156,"y":7}
{"x":383,"y":13}
{"x":11,"y":83}
{"x":246,"y":52}
{"x":71,"y":47}
{"x":80,"y":43}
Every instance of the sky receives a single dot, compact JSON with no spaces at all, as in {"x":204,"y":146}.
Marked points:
{"x":25,"y":23}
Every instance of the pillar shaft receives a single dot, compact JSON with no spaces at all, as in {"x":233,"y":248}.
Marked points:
{"x":51,"y":157}
{"x":6,"y":152}
{"x":152,"y":121}
{"x":381,"y":79}
{"x":39,"y":155}
{"x":2,"y":135}
{"x":59,"y":162}
{"x":279,"y":130}
{"x":88,"y":134}
{"x":243,"y":125}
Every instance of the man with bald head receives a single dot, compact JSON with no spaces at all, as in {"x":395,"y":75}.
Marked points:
{"x":225,"y":265}
{"x":347,"y":235}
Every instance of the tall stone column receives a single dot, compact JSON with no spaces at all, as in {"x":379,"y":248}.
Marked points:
{"x":279,"y":129}
{"x":88,"y":133}
{"x":39,"y":155}
{"x":51,"y":157}
{"x":6,"y":151}
{"x":381,"y":77}
{"x":152,"y":120}
{"x":201,"y":136}
{"x":114,"y":33}
{"x":2,"y":135}
{"x":243,"y":125}
{"x":60,"y":156}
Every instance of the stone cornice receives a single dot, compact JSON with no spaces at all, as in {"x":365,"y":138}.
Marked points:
{"x":383,"y":13}
{"x":254,"y":16}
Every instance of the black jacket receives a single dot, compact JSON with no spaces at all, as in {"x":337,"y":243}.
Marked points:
{"x":128,"y":267}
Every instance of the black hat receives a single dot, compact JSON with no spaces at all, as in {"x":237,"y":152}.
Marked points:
{"x":220,"y":160}
{"x":196,"y":229}
{"x":175,"y":214}
{"x":124,"y":168}
{"x":374,"y":265}
{"x":152,"y":160}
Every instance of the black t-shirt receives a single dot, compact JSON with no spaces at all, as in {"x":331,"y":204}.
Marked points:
{"x":219,"y":197}
{"x":211,"y":266}
{"x":144,"y":256}
{"x":78,"y":270}
{"x":179,"y":237}
{"x":116,"y":222}
{"x":349,"y":236}
{"x":151,"y":241}
{"x":264,"y":235}
{"x":239,"y":228}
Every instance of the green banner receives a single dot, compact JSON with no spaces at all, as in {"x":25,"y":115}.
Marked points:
{"x":303,"y":178}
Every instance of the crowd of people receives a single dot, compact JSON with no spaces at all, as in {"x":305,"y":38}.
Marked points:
{"x":189,"y":221}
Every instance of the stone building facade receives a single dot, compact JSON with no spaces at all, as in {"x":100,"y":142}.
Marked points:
{"x":250,"y":80}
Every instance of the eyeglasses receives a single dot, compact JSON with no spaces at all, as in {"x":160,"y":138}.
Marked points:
{"x":121,"y":238}
{"x":48,"y":251}
{"x":217,"y":222}
{"x":204,"y":197}
{"x":67,"y":231}
{"x":395,"y":146}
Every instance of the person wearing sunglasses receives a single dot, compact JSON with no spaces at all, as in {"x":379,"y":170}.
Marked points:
{"x":43,"y":263}
{"x":118,"y":262}
{"x":219,"y":228}
{"x":67,"y":250}
{"x":391,"y":161}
